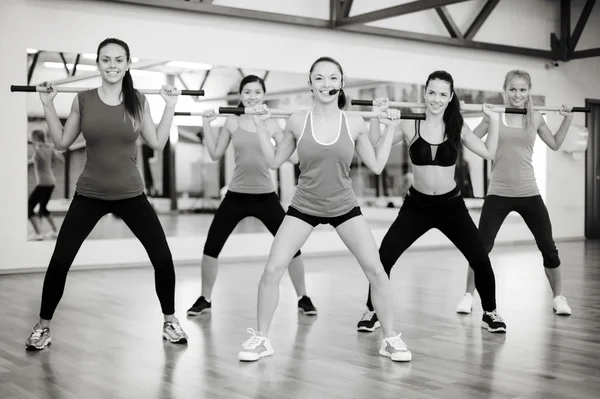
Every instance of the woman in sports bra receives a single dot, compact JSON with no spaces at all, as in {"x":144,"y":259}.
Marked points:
{"x":434,"y":200}
{"x":251,"y":193}
{"x":326,"y":139}
{"x":513,"y":186}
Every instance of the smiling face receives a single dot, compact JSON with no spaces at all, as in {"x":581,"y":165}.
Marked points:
{"x":438,"y":94}
{"x":324,"y":77}
{"x":113,"y":62}
{"x":252,"y":94}
{"x":517,"y":92}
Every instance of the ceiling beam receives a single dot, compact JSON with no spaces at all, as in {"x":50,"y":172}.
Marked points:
{"x":402,"y":9}
{"x":565,"y":29}
{"x":583,"y":18}
{"x":346,"y":8}
{"x":485,"y":12}
{"x":589,"y":53}
{"x":448,"y":22}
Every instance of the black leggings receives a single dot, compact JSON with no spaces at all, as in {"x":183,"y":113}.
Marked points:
{"x":234,"y":208}
{"x":40,"y":195}
{"x":82,"y":216}
{"x":448,"y":213}
{"x":534,"y":213}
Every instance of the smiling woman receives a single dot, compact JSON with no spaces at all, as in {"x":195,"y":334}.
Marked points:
{"x":111,"y":118}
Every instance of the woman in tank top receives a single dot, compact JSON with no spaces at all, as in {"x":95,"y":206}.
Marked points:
{"x":111,"y":119}
{"x":251,"y":192}
{"x":326,"y":139}
{"x":45,"y":182}
{"x":513,"y":186}
{"x":434,"y":200}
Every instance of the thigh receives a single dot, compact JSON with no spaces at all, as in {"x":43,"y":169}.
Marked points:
{"x":410,"y":224}
{"x":536,"y":217}
{"x":81,"y":218}
{"x":227,"y":217}
{"x":456,"y":224}
{"x":290,"y":237}
{"x":137,"y":213}
{"x":494,"y":212}
{"x":270,"y":212}
{"x":359,"y":240}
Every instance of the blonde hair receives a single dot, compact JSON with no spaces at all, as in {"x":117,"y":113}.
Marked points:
{"x":520,"y":74}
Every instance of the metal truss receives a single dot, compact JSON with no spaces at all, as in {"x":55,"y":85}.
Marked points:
{"x":563,"y":45}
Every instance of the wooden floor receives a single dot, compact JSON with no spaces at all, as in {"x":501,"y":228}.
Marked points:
{"x":107,"y":334}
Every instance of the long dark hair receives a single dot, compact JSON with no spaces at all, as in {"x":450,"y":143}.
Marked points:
{"x":342,"y":95}
{"x":251,"y":79}
{"x":131,"y":98}
{"x":453,"y":119}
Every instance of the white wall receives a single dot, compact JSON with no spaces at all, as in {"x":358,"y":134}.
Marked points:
{"x":78,"y":26}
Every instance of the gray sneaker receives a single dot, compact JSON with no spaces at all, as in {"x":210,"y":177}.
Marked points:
{"x":39,"y":338}
{"x":173,"y":332}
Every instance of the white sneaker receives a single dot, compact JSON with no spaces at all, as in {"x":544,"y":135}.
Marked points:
{"x":35,"y":237}
{"x":50,"y":235}
{"x":394,"y":348}
{"x":560,"y":305}
{"x":255,"y":348}
{"x":466,"y":304}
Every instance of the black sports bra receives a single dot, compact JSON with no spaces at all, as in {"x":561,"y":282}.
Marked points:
{"x":420,"y":151}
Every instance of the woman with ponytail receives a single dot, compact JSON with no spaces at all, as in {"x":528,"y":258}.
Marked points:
{"x":513,"y":186}
{"x":251,"y":193}
{"x":434,"y":200}
{"x":111,"y":119}
{"x":326,"y":139}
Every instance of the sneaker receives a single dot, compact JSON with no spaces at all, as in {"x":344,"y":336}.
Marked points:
{"x":493,"y":322}
{"x":560,"y":305}
{"x":200,"y":306}
{"x":394,"y":348}
{"x":39,"y":338}
{"x":466,"y":304}
{"x":369,"y":322}
{"x":306,"y":306}
{"x":255,"y":348}
{"x":50,"y":235}
{"x":35,"y":237}
{"x":173,"y":332}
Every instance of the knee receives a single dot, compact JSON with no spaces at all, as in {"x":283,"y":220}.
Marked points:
{"x":275,"y":268}
{"x":212,"y":250}
{"x":551,"y":259}
{"x":376,"y":272}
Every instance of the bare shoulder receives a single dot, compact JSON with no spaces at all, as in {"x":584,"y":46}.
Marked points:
{"x":538,"y":119}
{"x":295,"y":122}
{"x":231,"y":123}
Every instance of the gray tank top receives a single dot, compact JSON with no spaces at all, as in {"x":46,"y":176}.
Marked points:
{"x":110,"y":170}
{"x":42,"y":166}
{"x":324,"y":185}
{"x":251,"y":174}
{"x":512,"y":170}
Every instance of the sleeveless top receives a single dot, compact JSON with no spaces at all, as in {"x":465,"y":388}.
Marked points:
{"x":42,"y":166}
{"x":251,"y":174}
{"x":324,"y":185}
{"x":110,"y":171}
{"x":512,"y":169}
{"x":421,"y":152}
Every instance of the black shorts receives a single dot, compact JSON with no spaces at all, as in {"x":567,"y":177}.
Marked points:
{"x":316,"y":220}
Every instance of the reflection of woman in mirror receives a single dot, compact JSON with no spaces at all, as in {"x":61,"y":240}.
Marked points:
{"x":251,"y":193}
{"x":434,"y":199}
{"x":42,"y":159}
{"x":513,"y":186}
{"x":326,"y":139}
{"x":111,"y":118}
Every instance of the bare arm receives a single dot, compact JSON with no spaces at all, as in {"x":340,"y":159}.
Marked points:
{"x":217,"y":146}
{"x":62,"y":137}
{"x":276,"y":156}
{"x":374,"y":157}
{"x":278,"y":136}
{"x":156,"y":136}
{"x":487,"y":149}
{"x":554,"y":141}
{"x":482,"y":129}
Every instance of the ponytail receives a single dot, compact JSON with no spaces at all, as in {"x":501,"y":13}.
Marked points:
{"x":131,"y":100}
{"x":341,"y":99}
{"x":453,"y":120}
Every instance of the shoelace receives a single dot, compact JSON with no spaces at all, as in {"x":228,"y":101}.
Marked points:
{"x":177,"y":327}
{"x":495,"y":316}
{"x":254,"y":341}
{"x":368,"y":315}
{"x":561,"y":298}
{"x":37,"y":334}
{"x":397,"y":342}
